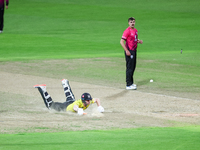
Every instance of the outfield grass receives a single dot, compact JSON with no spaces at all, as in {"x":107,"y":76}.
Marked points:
{"x":91,"y":29}
{"x":178,"y":138}
{"x":71,"y":29}
{"x":82,"y":29}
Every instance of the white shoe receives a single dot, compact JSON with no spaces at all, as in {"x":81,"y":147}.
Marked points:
{"x":1,"y":31}
{"x":131,"y":87}
{"x":65,"y":83}
{"x":41,"y":86}
{"x":134,"y":85}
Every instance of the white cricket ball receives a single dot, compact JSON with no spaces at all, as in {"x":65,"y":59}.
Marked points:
{"x":151,"y":80}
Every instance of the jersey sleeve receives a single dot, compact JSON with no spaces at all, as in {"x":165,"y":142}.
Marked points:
{"x":71,"y":106}
{"x":7,"y":2}
{"x":79,"y":103}
{"x":125,"y":34}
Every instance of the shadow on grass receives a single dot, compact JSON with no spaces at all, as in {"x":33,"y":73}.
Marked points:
{"x":117,"y":95}
{"x":143,"y":82}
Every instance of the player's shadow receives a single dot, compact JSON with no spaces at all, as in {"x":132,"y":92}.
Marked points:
{"x":143,"y":82}
{"x":117,"y":95}
{"x":122,"y":93}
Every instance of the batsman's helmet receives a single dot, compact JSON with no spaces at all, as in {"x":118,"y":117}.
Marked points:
{"x":85,"y":97}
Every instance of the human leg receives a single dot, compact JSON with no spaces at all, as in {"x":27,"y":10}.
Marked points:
{"x":68,"y":91}
{"x":1,"y":18}
{"x":50,"y":104}
{"x":46,"y":97}
{"x":130,"y":68}
{"x":59,"y":106}
{"x":134,"y":53}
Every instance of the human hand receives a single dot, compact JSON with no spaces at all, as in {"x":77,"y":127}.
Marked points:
{"x":128,"y":53}
{"x":100,"y":109}
{"x":140,"y":41}
{"x":6,"y":7}
{"x":81,"y":112}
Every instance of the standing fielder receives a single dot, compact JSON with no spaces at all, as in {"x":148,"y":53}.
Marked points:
{"x":70,"y":104}
{"x":130,"y":37}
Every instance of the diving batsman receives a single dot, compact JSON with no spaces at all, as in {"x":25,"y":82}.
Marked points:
{"x":76,"y":106}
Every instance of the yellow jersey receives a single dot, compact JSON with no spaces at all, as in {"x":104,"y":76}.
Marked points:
{"x":80,"y":104}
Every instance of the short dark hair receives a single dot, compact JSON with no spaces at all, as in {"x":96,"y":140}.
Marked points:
{"x":131,"y":18}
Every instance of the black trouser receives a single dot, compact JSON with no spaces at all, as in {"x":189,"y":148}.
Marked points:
{"x":69,"y":100}
{"x":60,"y":106}
{"x":1,"y":18}
{"x":57,"y":105}
{"x":130,"y":67}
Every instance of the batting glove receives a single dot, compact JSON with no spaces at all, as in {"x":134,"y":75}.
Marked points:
{"x":100,"y":109}
{"x":80,"y":111}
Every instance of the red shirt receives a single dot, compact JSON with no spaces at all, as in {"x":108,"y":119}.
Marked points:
{"x":131,"y":37}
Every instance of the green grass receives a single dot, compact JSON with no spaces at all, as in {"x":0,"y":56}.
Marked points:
{"x":88,"y":29}
{"x":70,"y":29}
{"x":171,"y":71}
{"x":82,"y":29}
{"x":179,"y":138}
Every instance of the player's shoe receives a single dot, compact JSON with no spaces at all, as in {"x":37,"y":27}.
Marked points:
{"x":134,"y":85}
{"x":67,"y":90}
{"x":1,"y":31}
{"x":131,"y":87}
{"x":65,"y":83}
{"x":41,"y":86}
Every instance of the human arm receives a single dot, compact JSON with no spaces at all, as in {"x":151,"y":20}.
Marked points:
{"x":79,"y":110}
{"x":97,"y":100}
{"x":140,"y":41}
{"x":7,"y":2}
{"x":122,"y":42}
{"x":100,"y":108}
